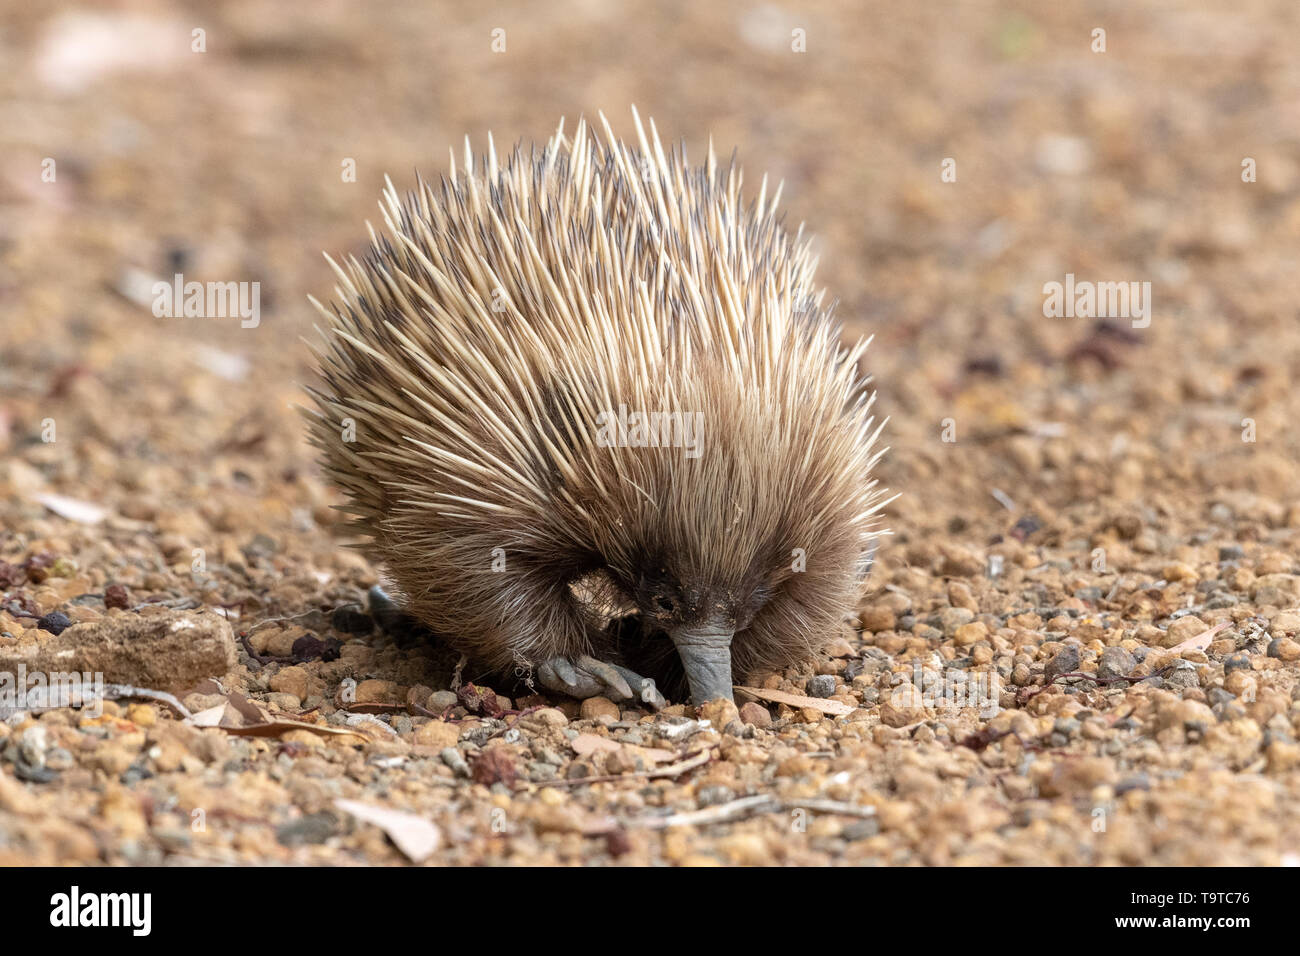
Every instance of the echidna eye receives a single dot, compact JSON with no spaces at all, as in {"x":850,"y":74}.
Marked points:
{"x":664,"y":604}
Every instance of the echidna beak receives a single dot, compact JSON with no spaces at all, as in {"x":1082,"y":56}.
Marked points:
{"x":706,"y":657}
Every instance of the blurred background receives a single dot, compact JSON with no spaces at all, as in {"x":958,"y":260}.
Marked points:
{"x":1154,"y":142}
{"x":142,"y":139}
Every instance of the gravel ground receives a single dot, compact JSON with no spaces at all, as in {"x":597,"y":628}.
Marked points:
{"x":1079,"y":645}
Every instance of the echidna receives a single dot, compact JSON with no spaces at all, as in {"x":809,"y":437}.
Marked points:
{"x":586,"y":380}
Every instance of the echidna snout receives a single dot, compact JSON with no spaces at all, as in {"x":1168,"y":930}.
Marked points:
{"x":471,"y":357}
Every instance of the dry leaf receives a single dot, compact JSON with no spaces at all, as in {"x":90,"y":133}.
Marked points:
{"x":210,"y":717}
{"x":241,"y":717}
{"x":415,"y":836}
{"x":83,"y":512}
{"x":585,"y":744}
{"x":834,"y":707}
{"x":1200,"y":642}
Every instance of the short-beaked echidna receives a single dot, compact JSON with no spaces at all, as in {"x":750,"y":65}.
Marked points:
{"x":585,"y":380}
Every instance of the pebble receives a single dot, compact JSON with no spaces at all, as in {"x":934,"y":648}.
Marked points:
{"x":1288,"y":621}
{"x":959,"y":595}
{"x":756,"y":715}
{"x":969,"y":634}
{"x":290,"y":680}
{"x":308,"y":830}
{"x":33,"y":745}
{"x":1115,"y":662}
{"x":1065,"y":662}
{"x":1236,"y":662}
{"x":715,"y":794}
{"x":453,"y":759}
{"x":719,"y":713}
{"x":878,"y":618}
{"x":170,"y":650}
{"x":822,"y":685}
{"x":1183,"y":629}
{"x":1284,"y":649}
{"x":952,"y":618}
{"x":599,"y":708}
{"x":441,"y":701}
{"x":56,"y":622}
{"x":437,"y":733}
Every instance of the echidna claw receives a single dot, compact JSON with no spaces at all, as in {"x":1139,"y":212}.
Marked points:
{"x":607,"y":675}
{"x":584,"y":676}
{"x":647,"y":692}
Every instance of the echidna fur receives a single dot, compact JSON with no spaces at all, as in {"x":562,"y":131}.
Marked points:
{"x":466,"y":361}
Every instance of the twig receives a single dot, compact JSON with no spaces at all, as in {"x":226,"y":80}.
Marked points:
{"x":672,"y":770}
{"x":722,"y":813}
{"x":456,"y":674}
{"x":116,"y":691}
{"x":747,"y":807}
{"x":260,"y":658}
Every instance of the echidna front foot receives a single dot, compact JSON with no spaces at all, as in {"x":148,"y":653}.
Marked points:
{"x":583,"y":676}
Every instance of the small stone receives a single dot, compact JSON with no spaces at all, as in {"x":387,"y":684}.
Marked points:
{"x":620,"y":761}
{"x":756,"y":715}
{"x":56,"y":622}
{"x":959,"y":595}
{"x":170,"y":651}
{"x":599,"y":708}
{"x":377,"y":692}
{"x":822,"y":685}
{"x":142,"y":715}
{"x":290,"y":680}
{"x":308,"y":830}
{"x":1288,"y":621}
{"x":1182,"y":674}
{"x":1240,"y":683}
{"x":969,"y":634}
{"x":714,"y":794}
{"x":455,"y":760}
{"x":1284,"y":649}
{"x":548,"y":718}
{"x":32,"y":746}
{"x":960,"y":562}
{"x":1115,"y":662}
{"x":952,"y":618}
{"x":838,"y":647}
{"x":437,"y":733}
{"x":1183,"y":629}
{"x":899,"y":715}
{"x":495,"y":765}
{"x":117,"y":596}
{"x":441,"y":701}
{"x":1138,"y":781}
{"x":1236,"y":662}
{"x":861,"y":829}
{"x":878,"y":618}
{"x":719,"y":712}
{"x":1231,"y":552}
{"x":1065,"y":662}
{"x":1282,"y":755}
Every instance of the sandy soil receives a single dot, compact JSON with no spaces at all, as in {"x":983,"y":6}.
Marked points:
{"x":1098,"y":522}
